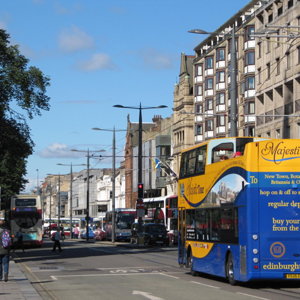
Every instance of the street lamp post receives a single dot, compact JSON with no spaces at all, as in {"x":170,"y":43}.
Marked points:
{"x":113,"y":233}
{"x":140,"y":174}
{"x":58,"y":217}
{"x":58,"y":192}
{"x":71,"y":194}
{"x":87,"y":188}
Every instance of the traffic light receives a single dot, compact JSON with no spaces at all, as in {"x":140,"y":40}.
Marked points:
{"x":140,"y":190}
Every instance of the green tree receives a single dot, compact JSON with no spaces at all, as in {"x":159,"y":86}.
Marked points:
{"x":22,"y":87}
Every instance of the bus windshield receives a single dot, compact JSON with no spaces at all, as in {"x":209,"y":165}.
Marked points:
{"x":124,"y":221}
{"x":25,"y":219}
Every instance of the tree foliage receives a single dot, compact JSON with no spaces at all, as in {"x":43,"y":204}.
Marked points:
{"x":24,"y":87}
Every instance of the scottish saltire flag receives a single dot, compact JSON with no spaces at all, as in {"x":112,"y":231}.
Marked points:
{"x":158,"y":164}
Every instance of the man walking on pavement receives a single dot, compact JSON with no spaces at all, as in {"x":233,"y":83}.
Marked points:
{"x":56,"y":239}
{"x":4,"y":250}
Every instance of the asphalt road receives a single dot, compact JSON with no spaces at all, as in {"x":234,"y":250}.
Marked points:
{"x":105,"y":271}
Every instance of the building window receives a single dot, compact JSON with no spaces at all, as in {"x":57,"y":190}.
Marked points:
{"x":250,"y":58}
{"x":199,"y":129}
{"x":199,"y":109}
{"x":102,"y":208}
{"x":220,"y":54}
{"x":209,"y":104}
{"x":249,"y":131}
{"x":249,"y":31}
{"x":250,"y":83}
{"x":259,"y":49}
{"x":290,"y":3}
{"x":268,"y":71}
{"x":209,"y":125}
{"x":249,"y":108}
{"x":268,"y":44}
{"x":288,"y":60}
{"x":198,"y":90}
{"x":198,"y":70}
{"x":209,"y":61}
{"x":220,"y":120}
{"x":259,"y":75}
{"x":209,"y":83}
{"x":220,"y":98}
{"x":220,"y":76}
{"x":270,"y":17}
{"x":277,"y":66}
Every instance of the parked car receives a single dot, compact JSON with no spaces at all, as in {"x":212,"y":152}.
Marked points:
{"x":150,"y":234}
{"x":100,"y":234}
{"x":91,"y":234}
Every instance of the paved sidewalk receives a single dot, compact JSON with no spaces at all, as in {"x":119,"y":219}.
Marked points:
{"x":18,"y":287}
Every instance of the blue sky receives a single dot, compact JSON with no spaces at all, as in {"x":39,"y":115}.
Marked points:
{"x":99,"y":53}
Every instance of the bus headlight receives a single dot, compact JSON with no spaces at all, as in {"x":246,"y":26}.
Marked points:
{"x":255,"y":260}
{"x":255,"y":236}
{"x":255,"y":251}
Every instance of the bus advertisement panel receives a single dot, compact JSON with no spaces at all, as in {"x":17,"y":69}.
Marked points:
{"x":239,"y":217}
{"x":124,"y":218}
{"x":26,"y":218}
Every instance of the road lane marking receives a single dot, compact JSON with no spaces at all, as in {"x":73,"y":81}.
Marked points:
{"x":169,"y":275}
{"x":212,"y":286}
{"x":249,"y":295}
{"x":146,"y":295}
{"x":102,"y":275}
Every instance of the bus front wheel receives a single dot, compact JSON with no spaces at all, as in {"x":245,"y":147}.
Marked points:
{"x":230,"y":270}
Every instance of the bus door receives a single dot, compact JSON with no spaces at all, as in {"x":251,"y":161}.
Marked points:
{"x":181,"y":235}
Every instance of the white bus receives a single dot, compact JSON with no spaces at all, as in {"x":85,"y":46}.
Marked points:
{"x":163,"y":210}
{"x":26,"y":217}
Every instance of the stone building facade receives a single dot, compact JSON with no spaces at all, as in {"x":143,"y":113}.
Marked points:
{"x":278,"y":69}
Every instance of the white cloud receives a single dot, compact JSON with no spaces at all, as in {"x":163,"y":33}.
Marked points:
{"x":58,"y":150}
{"x":74,"y":39}
{"x":99,"y":61}
{"x":156,"y":60}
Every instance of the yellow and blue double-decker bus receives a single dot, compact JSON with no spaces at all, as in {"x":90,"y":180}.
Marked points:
{"x":239,"y":208}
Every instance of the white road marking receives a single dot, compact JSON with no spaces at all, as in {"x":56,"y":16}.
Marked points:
{"x":252,"y":296}
{"x":164,"y":274}
{"x":101,"y":275}
{"x":212,"y":286}
{"x":146,"y":295}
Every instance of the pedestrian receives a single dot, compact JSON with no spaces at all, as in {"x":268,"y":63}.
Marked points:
{"x":76,"y":231}
{"x":4,"y":250}
{"x":19,"y":237}
{"x":62,"y":233}
{"x":56,"y":240}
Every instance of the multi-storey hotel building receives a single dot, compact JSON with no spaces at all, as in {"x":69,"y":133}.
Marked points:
{"x":212,"y":78}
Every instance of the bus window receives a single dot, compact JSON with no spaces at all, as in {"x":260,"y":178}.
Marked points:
{"x":183,"y":164}
{"x":191,"y":162}
{"x":201,"y":160}
{"x":241,"y":143}
{"x":229,"y":230}
{"x":215,"y":224}
{"x":222,"y":150}
{"x":202,"y":225}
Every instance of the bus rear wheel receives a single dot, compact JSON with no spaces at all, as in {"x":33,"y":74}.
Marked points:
{"x":230,"y":270}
